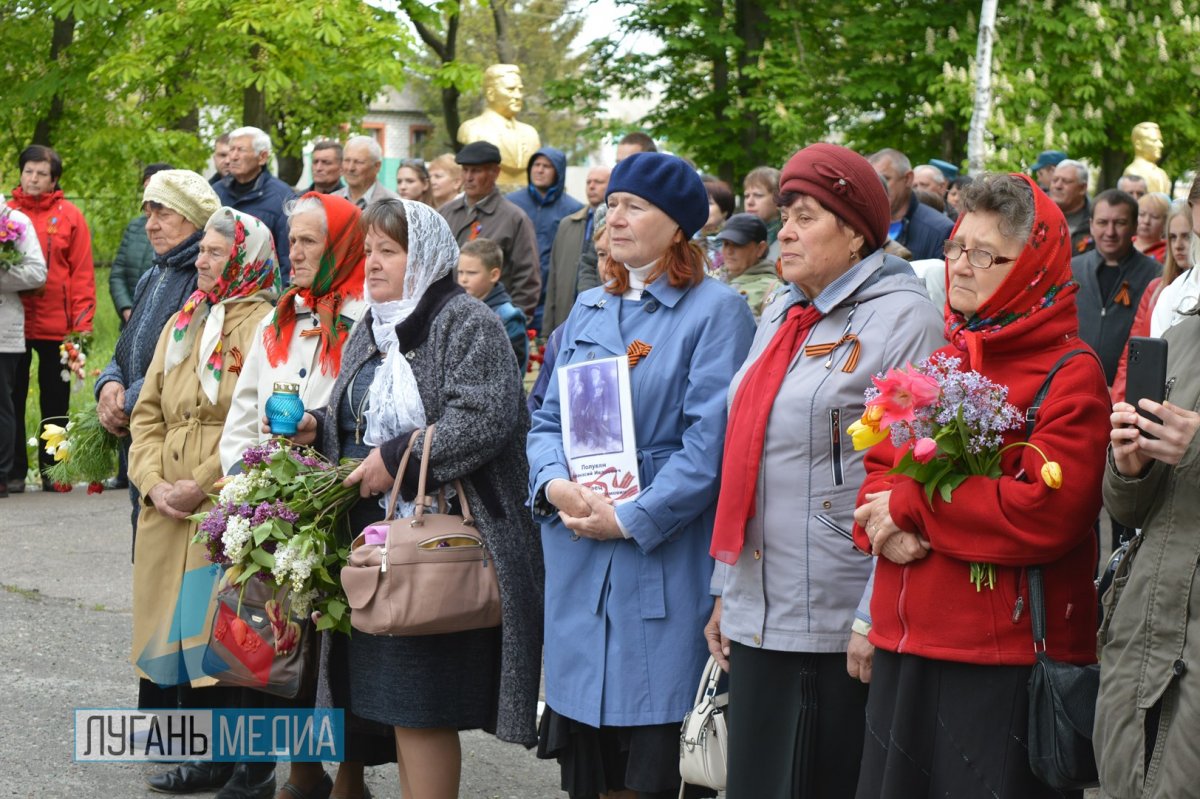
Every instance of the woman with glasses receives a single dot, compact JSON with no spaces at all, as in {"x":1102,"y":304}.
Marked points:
{"x":947,"y":713}
{"x":412,"y":181}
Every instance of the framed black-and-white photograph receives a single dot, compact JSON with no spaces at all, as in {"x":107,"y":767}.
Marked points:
{"x":597,"y":425}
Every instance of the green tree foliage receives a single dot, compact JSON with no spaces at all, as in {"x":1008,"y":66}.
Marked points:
{"x":132,"y":85}
{"x":739,"y":84}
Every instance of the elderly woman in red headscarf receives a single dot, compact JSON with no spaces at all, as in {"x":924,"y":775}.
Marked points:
{"x":301,"y":342}
{"x":947,"y":711}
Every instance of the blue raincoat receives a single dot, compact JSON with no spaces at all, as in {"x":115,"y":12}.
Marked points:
{"x":624,"y":618}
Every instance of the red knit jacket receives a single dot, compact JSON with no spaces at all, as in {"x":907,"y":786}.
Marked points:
{"x":67,"y":302}
{"x":929,"y":607}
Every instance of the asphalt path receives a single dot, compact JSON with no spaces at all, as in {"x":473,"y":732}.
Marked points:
{"x":65,"y":625}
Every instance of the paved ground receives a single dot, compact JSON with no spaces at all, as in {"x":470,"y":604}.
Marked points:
{"x":64,"y":643}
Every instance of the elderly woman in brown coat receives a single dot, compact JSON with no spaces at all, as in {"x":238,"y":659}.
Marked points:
{"x":174,"y":462}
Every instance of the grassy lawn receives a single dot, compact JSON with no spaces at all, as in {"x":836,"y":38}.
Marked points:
{"x":99,"y":353}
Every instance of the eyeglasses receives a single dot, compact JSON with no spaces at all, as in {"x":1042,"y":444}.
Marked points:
{"x":980,"y":259}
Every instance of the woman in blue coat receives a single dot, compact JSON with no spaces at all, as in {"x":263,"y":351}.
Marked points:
{"x":626,"y":586}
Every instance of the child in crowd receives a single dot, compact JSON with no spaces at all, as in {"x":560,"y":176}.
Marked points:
{"x":479,"y":265}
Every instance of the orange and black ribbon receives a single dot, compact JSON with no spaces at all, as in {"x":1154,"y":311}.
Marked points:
{"x":818,"y":350}
{"x":638,"y":349}
{"x":1123,"y":297}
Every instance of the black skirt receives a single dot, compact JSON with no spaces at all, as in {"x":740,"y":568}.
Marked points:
{"x":937,"y":728}
{"x":599,"y":761}
{"x":795,"y":725}
{"x":427,"y":681}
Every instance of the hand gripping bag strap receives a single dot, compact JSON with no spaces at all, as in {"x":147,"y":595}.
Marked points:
{"x":703,"y":739}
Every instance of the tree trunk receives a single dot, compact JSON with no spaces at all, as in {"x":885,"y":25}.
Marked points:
{"x":64,"y":34}
{"x":725,"y":169}
{"x":1112,"y":165}
{"x":450,"y":94}
{"x":751,"y":22}
{"x":504,"y":48}
{"x":982,"y":111}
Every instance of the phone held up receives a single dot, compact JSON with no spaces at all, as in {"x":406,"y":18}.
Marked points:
{"x":1147,"y":375}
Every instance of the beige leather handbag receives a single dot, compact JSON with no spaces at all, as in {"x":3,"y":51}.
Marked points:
{"x":433,"y":575}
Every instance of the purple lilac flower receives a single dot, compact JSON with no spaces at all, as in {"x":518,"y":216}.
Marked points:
{"x":311,"y":461}
{"x":259,"y":454}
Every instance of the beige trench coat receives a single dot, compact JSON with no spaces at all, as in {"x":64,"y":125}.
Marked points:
{"x":176,"y":433}
{"x":1152,"y":652}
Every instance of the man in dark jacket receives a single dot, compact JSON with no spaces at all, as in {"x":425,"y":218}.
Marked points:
{"x":481,"y":211}
{"x":326,"y":168}
{"x":252,"y":189}
{"x":134,"y":256}
{"x":1111,"y":278}
{"x":1068,"y":189}
{"x":545,"y":202}
{"x":915,"y":225}
{"x":572,"y":242}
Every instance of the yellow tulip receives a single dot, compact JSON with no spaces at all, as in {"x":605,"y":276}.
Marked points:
{"x":54,"y":436}
{"x":865,"y":436}
{"x":1052,"y":475}
{"x":62,"y":452}
{"x":873,"y":416}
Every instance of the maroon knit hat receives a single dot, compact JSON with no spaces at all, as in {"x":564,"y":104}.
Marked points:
{"x":843,"y":182}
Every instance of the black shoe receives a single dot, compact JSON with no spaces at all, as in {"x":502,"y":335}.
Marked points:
{"x":250,"y":781}
{"x":319,"y":791}
{"x":191,"y":776}
{"x":3,"y":491}
{"x":16,"y":485}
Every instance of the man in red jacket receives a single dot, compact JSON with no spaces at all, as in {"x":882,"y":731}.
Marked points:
{"x":63,"y":306}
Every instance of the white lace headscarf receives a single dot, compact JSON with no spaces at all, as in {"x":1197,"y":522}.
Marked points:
{"x":395,"y":405}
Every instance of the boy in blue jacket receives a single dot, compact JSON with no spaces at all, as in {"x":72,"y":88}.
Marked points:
{"x":479,"y":265}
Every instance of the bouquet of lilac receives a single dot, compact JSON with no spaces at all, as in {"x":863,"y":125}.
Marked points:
{"x":951,"y":424}
{"x":277,"y":522}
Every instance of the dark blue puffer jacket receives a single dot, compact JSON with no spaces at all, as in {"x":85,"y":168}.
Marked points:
{"x":546,"y":210}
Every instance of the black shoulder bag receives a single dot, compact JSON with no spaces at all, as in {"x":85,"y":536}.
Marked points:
{"x":1062,"y":696}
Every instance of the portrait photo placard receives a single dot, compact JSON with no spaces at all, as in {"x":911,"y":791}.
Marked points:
{"x":597,"y":426}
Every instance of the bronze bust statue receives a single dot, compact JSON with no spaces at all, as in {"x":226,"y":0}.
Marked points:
{"x":1147,"y":149}
{"x":503,"y":92}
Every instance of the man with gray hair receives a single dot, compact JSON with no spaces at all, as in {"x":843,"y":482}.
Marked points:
{"x":252,"y":189}
{"x":915,"y":225}
{"x":1068,"y":189}
{"x":361,"y":161}
{"x":1133,"y":185}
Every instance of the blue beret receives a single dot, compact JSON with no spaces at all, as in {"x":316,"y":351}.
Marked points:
{"x":669,"y":183}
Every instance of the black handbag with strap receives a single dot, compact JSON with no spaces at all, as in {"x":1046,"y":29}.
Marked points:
{"x":1062,"y":696}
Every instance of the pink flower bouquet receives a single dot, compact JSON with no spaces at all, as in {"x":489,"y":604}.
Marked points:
{"x":951,"y":426}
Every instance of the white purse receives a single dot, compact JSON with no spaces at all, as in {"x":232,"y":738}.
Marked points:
{"x":703,"y":740}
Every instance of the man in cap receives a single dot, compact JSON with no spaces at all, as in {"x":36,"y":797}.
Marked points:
{"x":747,"y":269}
{"x":1043,"y":168}
{"x":177,"y":204}
{"x":481,"y":211}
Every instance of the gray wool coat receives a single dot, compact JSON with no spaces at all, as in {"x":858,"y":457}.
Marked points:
{"x":468,"y":379}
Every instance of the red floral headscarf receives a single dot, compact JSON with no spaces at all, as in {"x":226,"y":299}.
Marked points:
{"x":1040,"y":278}
{"x":339,"y":277}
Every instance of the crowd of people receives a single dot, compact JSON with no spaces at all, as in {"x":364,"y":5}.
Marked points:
{"x":833,"y":590}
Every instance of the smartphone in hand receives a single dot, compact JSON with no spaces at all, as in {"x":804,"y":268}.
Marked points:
{"x":1147,"y":374}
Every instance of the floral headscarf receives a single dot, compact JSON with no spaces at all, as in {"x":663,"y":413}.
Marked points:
{"x":1040,"y":278}
{"x":250,"y":273}
{"x":339,"y":277}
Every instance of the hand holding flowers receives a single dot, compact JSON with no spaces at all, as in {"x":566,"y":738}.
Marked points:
{"x":277,"y":522}
{"x":951,"y":426}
